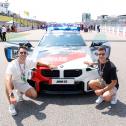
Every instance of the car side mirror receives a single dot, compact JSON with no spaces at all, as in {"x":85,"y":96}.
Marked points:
{"x":88,"y":69}
{"x":92,"y":67}
{"x":29,"y":45}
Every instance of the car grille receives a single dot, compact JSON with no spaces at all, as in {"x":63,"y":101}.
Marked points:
{"x":67,"y":73}
{"x":50,"y":73}
{"x":72,"y":73}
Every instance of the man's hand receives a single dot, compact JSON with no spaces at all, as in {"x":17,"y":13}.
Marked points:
{"x":99,"y":92}
{"x":88,"y":63}
{"x":51,"y":66}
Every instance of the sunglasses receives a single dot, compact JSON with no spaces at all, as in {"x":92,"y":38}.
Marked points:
{"x":102,"y":54}
{"x":23,"y":53}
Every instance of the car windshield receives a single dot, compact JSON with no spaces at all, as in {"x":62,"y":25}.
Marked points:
{"x":62,"y":40}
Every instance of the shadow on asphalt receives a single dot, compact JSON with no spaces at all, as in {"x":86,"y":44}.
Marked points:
{"x":35,"y":108}
{"x":119,"y":109}
{"x":28,"y":108}
{"x":68,"y":99}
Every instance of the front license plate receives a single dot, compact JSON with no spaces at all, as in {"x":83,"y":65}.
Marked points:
{"x":62,"y":81}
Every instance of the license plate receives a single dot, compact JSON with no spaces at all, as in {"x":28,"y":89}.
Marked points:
{"x":62,"y":81}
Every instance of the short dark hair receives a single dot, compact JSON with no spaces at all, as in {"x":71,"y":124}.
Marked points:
{"x":23,"y":47}
{"x":101,"y":48}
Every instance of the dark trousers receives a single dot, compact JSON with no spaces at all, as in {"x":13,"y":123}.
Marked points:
{"x":4,"y":36}
{"x":0,"y":36}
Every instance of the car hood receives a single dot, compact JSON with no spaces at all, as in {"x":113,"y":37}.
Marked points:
{"x":65,"y":57}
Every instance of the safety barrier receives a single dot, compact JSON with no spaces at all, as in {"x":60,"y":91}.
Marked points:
{"x":119,"y":31}
{"x":22,"y":29}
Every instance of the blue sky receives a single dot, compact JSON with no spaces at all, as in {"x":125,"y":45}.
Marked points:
{"x":66,"y":10}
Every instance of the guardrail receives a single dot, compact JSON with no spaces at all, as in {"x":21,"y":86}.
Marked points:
{"x":119,"y":31}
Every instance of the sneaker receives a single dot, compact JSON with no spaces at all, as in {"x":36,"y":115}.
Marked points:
{"x":114,"y":99}
{"x":19,"y":96}
{"x":12,"y":110}
{"x":99,"y":100}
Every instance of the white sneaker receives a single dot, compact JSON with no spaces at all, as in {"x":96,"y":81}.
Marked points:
{"x":12,"y":110}
{"x":19,"y":96}
{"x":99,"y":100}
{"x":114,"y":99}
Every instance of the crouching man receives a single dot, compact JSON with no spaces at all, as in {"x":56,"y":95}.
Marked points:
{"x":15,"y":78}
{"x":107,"y":85}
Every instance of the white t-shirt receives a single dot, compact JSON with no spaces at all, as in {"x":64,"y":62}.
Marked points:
{"x":4,"y":29}
{"x":14,"y":69}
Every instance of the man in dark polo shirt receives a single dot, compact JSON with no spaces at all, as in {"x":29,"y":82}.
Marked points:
{"x":107,"y":85}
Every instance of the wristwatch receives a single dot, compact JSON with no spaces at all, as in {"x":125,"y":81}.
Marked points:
{"x":11,"y":94}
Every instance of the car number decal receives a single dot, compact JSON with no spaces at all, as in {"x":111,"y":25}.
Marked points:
{"x":62,"y":81}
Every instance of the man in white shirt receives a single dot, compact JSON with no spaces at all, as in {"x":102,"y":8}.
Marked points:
{"x":15,"y":78}
{"x":4,"y":30}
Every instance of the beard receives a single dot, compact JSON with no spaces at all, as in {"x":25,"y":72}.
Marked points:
{"x":102,"y":60}
{"x":22,"y":59}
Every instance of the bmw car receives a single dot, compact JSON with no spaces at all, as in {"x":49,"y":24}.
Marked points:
{"x":66,"y":50}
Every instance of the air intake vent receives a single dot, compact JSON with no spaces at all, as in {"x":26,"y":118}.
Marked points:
{"x":50,"y":73}
{"x":72,"y":73}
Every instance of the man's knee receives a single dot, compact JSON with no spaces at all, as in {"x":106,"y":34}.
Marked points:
{"x":92,"y":84}
{"x":31,"y":93}
{"x":107,"y":97}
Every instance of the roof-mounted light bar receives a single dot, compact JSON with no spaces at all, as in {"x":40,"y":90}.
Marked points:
{"x":64,"y":28}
